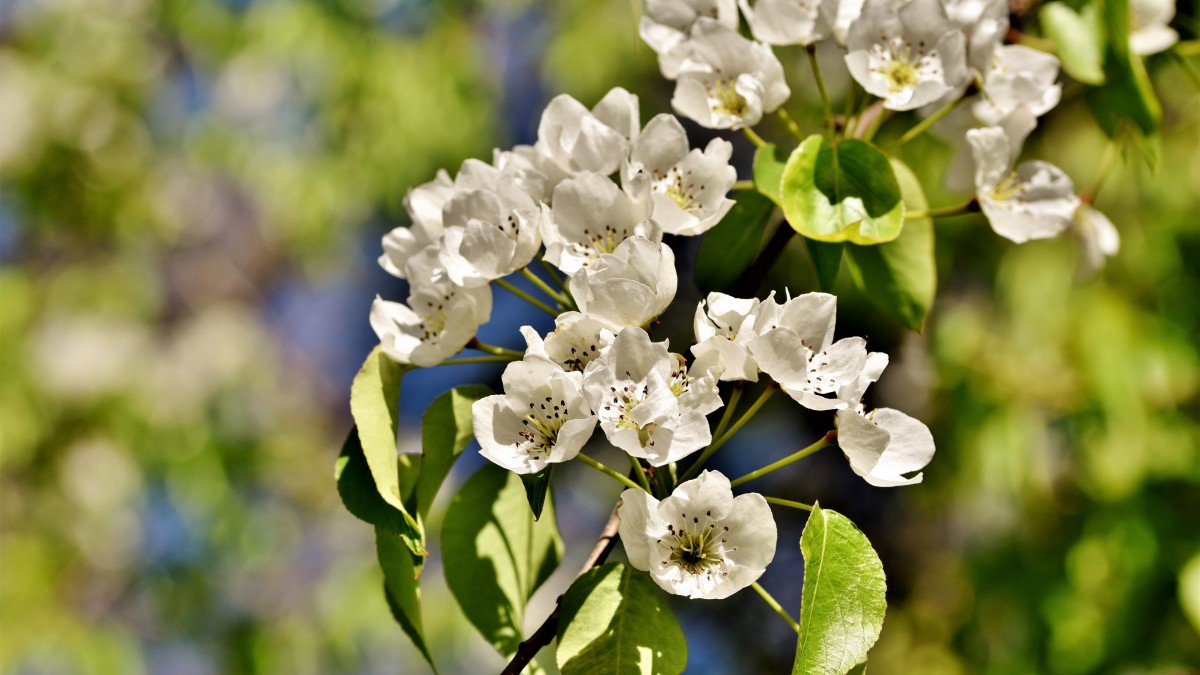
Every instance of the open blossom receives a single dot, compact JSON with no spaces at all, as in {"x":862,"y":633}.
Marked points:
{"x":1021,"y":76}
{"x":541,"y":418}
{"x":1098,"y":239}
{"x":701,"y":542}
{"x":489,"y":233}
{"x":667,"y":24}
{"x":648,"y":403}
{"x":984,"y":24}
{"x":577,"y":340}
{"x":909,"y":55}
{"x":424,"y":205}
{"x":1148,"y":29}
{"x":572,"y":138}
{"x":727,"y":81}
{"x":724,"y":328}
{"x":688,"y":187}
{"x":790,"y":22}
{"x":591,"y":216}
{"x":628,"y":287}
{"x":884,"y":444}
{"x":1034,"y":201}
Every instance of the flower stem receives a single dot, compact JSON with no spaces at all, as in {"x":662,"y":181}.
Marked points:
{"x":477,"y":359}
{"x":508,"y":354}
{"x":920,"y":127}
{"x":762,"y":592}
{"x":604,"y":469}
{"x":811,"y":50}
{"x":727,"y":417}
{"x":825,"y":440}
{"x":537,"y":281}
{"x":942,"y":211}
{"x":640,"y":473}
{"x":718,"y":442}
{"x":743,"y":185}
{"x":879,"y":114}
{"x":791,"y":123}
{"x":754,"y":138}
{"x":789,"y":503}
{"x":526,"y":297}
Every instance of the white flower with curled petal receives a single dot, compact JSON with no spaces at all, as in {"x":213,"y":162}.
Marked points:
{"x":573,"y":138}
{"x":884,"y":445}
{"x":727,"y":81}
{"x":540,"y":419}
{"x":725,"y":327}
{"x":591,"y":216}
{"x":577,"y":340}
{"x":1034,"y":201}
{"x":687,"y":187}
{"x":438,"y":321}
{"x":1098,"y":239}
{"x":1148,"y":29}
{"x":790,"y":22}
{"x":984,"y":23}
{"x":628,"y":287}
{"x":909,"y":56}
{"x":424,"y":205}
{"x":667,"y":24}
{"x":701,"y":542}
{"x":489,"y":234}
{"x":1021,"y":76}
{"x":648,"y":403}
{"x":523,"y":166}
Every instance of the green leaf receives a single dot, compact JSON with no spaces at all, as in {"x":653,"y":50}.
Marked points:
{"x":847,"y":194}
{"x":900,"y":276}
{"x":536,"y":486}
{"x":843,"y":604}
{"x":400,"y":572}
{"x":768,"y":172}
{"x":495,"y":555}
{"x":1076,"y":39}
{"x":826,"y":259}
{"x":728,"y":249}
{"x":374,"y":396}
{"x":1128,"y":96}
{"x":613,"y":620}
{"x":445,"y":432}
{"x":356,"y":486}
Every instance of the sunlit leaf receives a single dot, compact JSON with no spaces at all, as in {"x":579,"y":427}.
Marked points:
{"x":768,"y":172}
{"x":445,"y":432}
{"x":847,"y":194}
{"x":400,"y":572}
{"x":1076,"y":39}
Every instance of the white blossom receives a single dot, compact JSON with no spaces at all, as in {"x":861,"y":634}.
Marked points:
{"x":489,"y":234}
{"x":1098,"y":239}
{"x":688,"y":187}
{"x":884,"y":445}
{"x":1034,"y":201}
{"x":701,"y":542}
{"x":667,"y":24}
{"x":790,"y":22}
{"x":541,"y":418}
{"x":724,"y":327}
{"x":628,"y":287}
{"x":1021,"y":76}
{"x":572,"y":138}
{"x":984,"y":24}
{"x":591,"y":216}
{"x":1148,"y":29}
{"x":648,"y":403}
{"x":577,"y":339}
{"x":424,"y":206}
{"x":847,"y":13}
{"x":727,"y":81}
{"x":909,"y":56}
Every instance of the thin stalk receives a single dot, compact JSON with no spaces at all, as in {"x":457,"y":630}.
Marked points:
{"x":743,"y":185}
{"x":791,"y":123}
{"x":554,"y":274}
{"x":811,"y":50}
{"x":762,"y":592}
{"x":920,"y":127}
{"x":727,"y":417}
{"x":754,"y":138}
{"x":604,"y":469}
{"x":943,"y":211}
{"x":716,"y":444}
{"x":825,"y":440}
{"x":510,"y":354}
{"x":477,"y":359}
{"x":789,"y":503}
{"x":881,"y":114}
{"x":526,"y":297}
{"x":640,"y":473}
{"x":537,"y":281}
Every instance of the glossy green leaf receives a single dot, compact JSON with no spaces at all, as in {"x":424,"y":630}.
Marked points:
{"x":847,"y":194}
{"x":1128,"y":96}
{"x":768,"y":172}
{"x":536,"y":487}
{"x":900,"y":276}
{"x":496,"y":555}
{"x":356,"y":486}
{"x":614,"y":620}
{"x":1076,"y":39}
{"x":400,"y":572}
{"x":843,"y":604}
{"x":826,"y":259}
{"x":445,"y":432}
{"x":729,"y":248}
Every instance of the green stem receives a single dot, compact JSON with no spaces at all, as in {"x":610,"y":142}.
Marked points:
{"x":762,"y":592}
{"x":477,"y":359}
{"x":743,"y":185}
{"x":791,"y":123}
{"x":640,"y":473}
{"x":924,"y":124}
{"x":827,"y":439}
{"x":526,"y":297}
{"x":968,"y":206}
{"x":537,"y":281}
{"x":881,"y":114}
{"x":811,"y":50}
{"x":510,"y":354}
{"x":754,"y":138}
{"x":694,"y":469}
{"x":727,"y":417}
{"x":604,"y":469}
{"x":789,"y":503}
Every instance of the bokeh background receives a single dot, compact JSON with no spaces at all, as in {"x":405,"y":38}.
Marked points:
{"x":193,"y":194}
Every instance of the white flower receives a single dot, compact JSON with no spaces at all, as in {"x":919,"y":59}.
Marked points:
{"x":577,"y":339}
{"x":724,"y":328}
{"x":438,"y":321}
{"x":884,"y":445}
{"x":628,"y":287}
{"x":1098,"y":239}
{"x":908,"y":56}
{"x":591,"y":216}
{"x":573,"y":138}
{"x":648,"y":404}
{"x":974,"y":113}
{"x":847,"y":13}
{"x":541,"y":418}
{"x":1021,"y":76}
{"x":523,"y":165}
{"x":727,"y":81}
{"x":688,"y":188}
{"x":984,"y":23}
{"x":1035,"y":201}
{"x":668,"y":23}
{"x":424,"y":206}
{"x":1148,"y":29}
{"x":701,"y":541}
{"x":790,"y":22}
{"x":489,"y":234}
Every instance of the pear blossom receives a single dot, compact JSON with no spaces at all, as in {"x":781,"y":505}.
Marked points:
{"x":984,"y":24}
{"x":1098,"y":239}
{"x":1021,"y":76}
{"x":724,"y":328}
{"x":1148,"y":29}
{"x":628,"y":287}
{"x":846,"y":14}
{"x":667,"y":24}
{"x":540,"y":419}
{"x":688,"y":187}
{"x":1034,"y":201}
{"x":524,"y":167}
{"x":884,"y":445}
{"x":648,"y":403}
{"x":489,"y":234}
{"x":701,"y":542}
{"x":577,"y":339}
{"x":790,"y":22}
{"x":909,"y":55}
{"x":591,"y":216}
{"x":438,"y":321}
{"x":727,"y":81}
{"x":424,"y":205}
{"x":572,"y":138}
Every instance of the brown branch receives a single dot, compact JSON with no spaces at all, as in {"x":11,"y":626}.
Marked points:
{"x":549,"y":628}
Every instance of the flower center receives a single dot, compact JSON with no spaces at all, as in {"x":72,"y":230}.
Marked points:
{"x":901,"y":67}
{"x":680,"y":382}
{"x":1008,"y":189}
{"x":433,"y":320}
{"x":724,"y":99}
{"x":622,"y":402}
{"x":697,"y":545}
{"x":540,"y":427}
{"x":681,"y":191}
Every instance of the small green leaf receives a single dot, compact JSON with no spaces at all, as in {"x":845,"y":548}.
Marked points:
{"x":613,"y":621}
{"x":768,"y":172}
{"x":728,"y":249}
{"x":495,"y":555}
{"x":400,"y":572}
{"x":445,"y":432}
{"x":374,"y":396}
{"x":826,"y":259}
{"x":357,"y":489}
{"x":843,"y":604}
{"x":1128,"y":96}
{"x":536,"y":486}
{"x":847,"y":194}
{"x":900,"y":276}
{"x":1076,"y":39}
